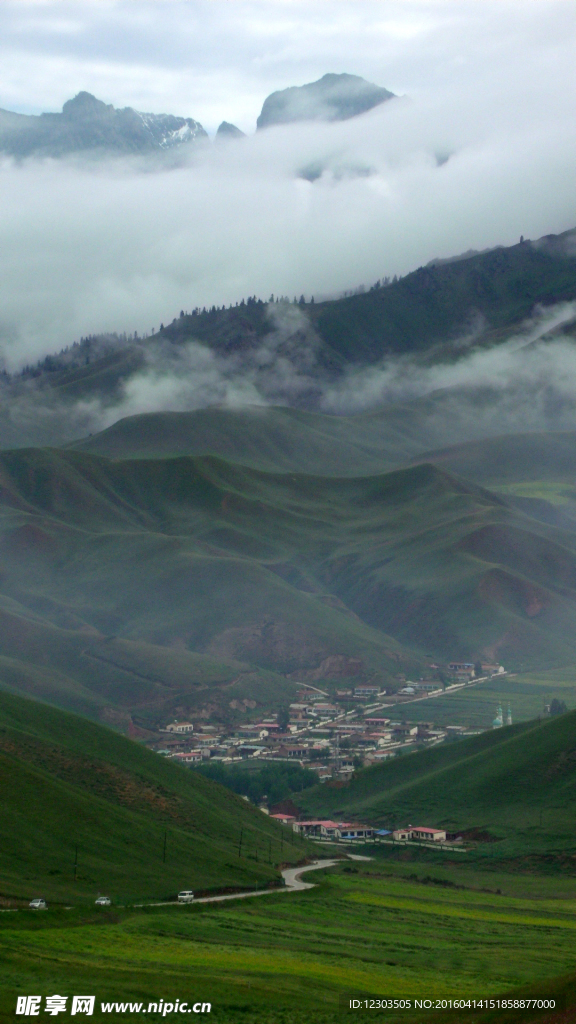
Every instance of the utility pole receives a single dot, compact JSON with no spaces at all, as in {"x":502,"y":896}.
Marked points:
{"x":240,"y":843}
{"x":76,"y":862}
{"x":269,"y":851}
{"x":164,"y":849}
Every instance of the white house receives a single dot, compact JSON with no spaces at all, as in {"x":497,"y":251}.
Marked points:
{"x":366,"y":691}
{"x":327,"y":829}
{"x":420,"y":834}
{"x":430,"y":835}
{"x":402,"y":834}
{"x":346,"y":830}
{"x":179,"y":727}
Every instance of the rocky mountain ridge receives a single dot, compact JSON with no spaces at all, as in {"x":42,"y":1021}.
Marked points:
{"x":331,"y":98}
{"x":88,"y":125}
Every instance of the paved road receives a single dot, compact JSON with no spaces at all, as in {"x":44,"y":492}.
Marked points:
{"x":291,"y":877}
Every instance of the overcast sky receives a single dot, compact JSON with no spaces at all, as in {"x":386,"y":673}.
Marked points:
{"x":217,"y":60}
{"x":489,"y":85}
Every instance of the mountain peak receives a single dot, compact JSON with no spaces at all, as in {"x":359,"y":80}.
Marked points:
{"x":83,"y":105}
{"x":334,"y":97}
{"x":87,"y":124}
{"x":230,"y":131}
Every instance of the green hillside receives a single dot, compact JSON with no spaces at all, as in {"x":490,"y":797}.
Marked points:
{"x":284,"y":440}
{"x":483,"y":298}
{"x":432,"y":305}
{"x":167,"y":583}
{"x":535,"y":472}
{"x":517,"y":784}
{"x":159,"y":584}
{"x":69,"y":783}
{"x":105,"y":676}
{"x":511,"y":458}
{"x":474,"y":707}
{"x":273,"y":439}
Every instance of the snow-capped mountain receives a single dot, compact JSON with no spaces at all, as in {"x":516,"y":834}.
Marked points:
{"x":87,"y":124}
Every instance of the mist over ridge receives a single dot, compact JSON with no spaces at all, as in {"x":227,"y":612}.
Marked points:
{"x":448,"y":353}
{"x":311,"y":207}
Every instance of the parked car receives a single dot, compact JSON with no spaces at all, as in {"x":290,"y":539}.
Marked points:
{"x":37,"y":904}
{"x":186,"y":896}
{"x":103,"y":901}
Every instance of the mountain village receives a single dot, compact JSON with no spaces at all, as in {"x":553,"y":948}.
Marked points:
{"x":333,"y":734}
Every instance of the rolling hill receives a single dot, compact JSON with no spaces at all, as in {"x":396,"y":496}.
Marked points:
{"x":534,"y":457}
{"x":517,"y":785}
{"x":275,"y":439}
{"x":278,"y":439}
{"x":137,"y":824}
{"x":154,"y":585}
{"x":536,"y":471}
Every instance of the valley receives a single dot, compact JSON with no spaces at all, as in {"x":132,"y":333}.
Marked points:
{"x":218,"y":623}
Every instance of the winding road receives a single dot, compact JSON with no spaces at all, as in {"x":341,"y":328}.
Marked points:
{"x":291,"y":877}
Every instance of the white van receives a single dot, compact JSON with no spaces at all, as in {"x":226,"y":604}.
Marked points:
{"x":186,"y":896}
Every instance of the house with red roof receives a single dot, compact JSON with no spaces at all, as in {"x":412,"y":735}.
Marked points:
{"x":420,"y":834}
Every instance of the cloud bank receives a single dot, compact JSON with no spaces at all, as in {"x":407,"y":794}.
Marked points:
{"x":482,"y":151}
{"x":96,"y":247}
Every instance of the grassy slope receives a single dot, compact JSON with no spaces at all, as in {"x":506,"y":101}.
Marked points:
{"x":519,"y":783}
{"x":511,"y":458}
{"x":106,"y":676}
{"x":283,"y":440}
{"x":286,"y":959}
{"x":84,"y":533}
{"x":273,"y":439}
{"x":475,"y":706}
{"x":288,"y":440}
{"x":534,"y":472}
{"x":276,"y":571}
{"x":67,"y":781}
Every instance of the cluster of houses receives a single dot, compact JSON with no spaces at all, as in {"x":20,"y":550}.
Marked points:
{"x":326,"y":829}
{"x":330,"y":733}
{"x":346,"y":831}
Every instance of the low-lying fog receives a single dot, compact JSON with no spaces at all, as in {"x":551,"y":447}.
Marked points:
{"x":92,"y":246}
{"x":527,"y":382}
